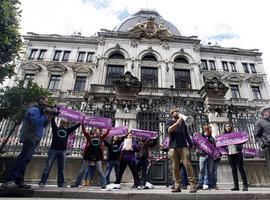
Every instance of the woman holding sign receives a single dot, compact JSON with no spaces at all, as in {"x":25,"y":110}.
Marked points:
{"x":235,"y":158}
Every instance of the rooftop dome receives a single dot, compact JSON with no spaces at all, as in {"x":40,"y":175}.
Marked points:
{"x":142,"y":16}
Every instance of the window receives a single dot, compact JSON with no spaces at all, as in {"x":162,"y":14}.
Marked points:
{"x":113,"y":72}
{"x":180,"y":60}
{"x":41,"y":54}
{"x":81,"y":56}
{"x":54,"y":82}
{"x":204,"y":65}
{"x":89,"y":57}
{"x":233,"y":68}
{"x":149,"y":76}
{"x":29,"y":77}
{"x":116,"y":56}
{"x":245,"y":67}
{"x":33,"y":54}
{"x":80,"y":83}
{"x":253,"y":69}
{"x":212,"y":65}
{"x":57,"y":55}
{"x":225,"y":66}
{"x":149,"y":57}
{"x":182,"y":79}
{"x":235,"y":92}
{"x":256,"y":92}
{"x":66,"y":56}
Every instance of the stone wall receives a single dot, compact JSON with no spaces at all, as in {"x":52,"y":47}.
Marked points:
{"x":256,"y":170}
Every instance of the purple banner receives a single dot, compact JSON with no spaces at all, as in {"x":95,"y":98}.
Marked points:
{"x":71,"y":140}
{"x":165,"y":143}
{"x":204,"y":145}
{"x":231,"y":138}
{"x":144,"y":133}
{"x":250,"y":152}
{"x":118,"y":131}
{"x":70,"y":114}
{"x":98,"y":122}
{"x":222,"y":151}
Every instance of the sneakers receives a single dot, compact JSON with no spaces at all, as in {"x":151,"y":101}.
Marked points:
{"x":205,"y":187}
{"x":193,"y":188}
{"x":74,"y":185}
{"x":41,"y":185}
{"x":113,"y":187}
{"x":235,"y":189}
{"x":134,"y":186}
{"x":10,"y":185}
{"x":245,"y":188}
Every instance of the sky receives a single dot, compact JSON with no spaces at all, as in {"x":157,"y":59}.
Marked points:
{"x":229,"y":23}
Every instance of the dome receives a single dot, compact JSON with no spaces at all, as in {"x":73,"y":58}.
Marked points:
{"x":142,"y":16}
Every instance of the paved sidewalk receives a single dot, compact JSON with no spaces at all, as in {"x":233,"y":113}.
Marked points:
{"x":158,"y":193}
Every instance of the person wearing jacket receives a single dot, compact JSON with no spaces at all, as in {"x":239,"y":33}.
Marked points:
{"x":128,"y":149}
{"x":57,"y":151}
{"x":144,"y":146}
{"x":262,"y":132}
{"x":36,"y":118}
{"x":93,"y":151}
{"x":235,"y":158}
{"x":206,"y":163}
{"x":113,"y":157}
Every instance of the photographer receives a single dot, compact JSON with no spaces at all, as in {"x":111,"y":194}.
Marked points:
{"x":262,"y":132}
{"x":57,"y":151}
{"x":34,"y":122}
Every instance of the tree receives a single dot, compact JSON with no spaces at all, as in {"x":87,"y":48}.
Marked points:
{"x":10,"y":39}
{"x":14,"y":102}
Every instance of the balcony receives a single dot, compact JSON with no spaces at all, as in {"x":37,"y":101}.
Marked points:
{"x":259,"y":102}
{"x":75,"y":93}
{"x":239,"y":101}
{"x":155,"y":91}
{"x":55,"y":92}
{"x":107,"y":89}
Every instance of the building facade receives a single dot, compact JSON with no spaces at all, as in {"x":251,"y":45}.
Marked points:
{"x":175,"y":70}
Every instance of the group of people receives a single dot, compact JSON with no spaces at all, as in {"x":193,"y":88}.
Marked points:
{"x":128,"y":151}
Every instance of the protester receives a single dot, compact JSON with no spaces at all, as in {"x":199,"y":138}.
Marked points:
{"x":262,"y":133}
{"x":93,"y":152}
{"x":179,"y":148}
{"x":128,"y":149}
{"x":113,"y":158}
{"x":36,"y":118}
{"x":235,"y":158}
{"x":57,"y":151}
{"x":142,"y":155}
{"x":206,"y":163}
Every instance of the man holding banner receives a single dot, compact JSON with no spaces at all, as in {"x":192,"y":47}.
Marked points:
{"x":178,"y":147}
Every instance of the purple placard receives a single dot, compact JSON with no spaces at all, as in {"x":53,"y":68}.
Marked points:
{"x":118,"y":131}
{"x":250,"y":152}
{"x":222,"y":151}
{"x":70,"y":114}
{"x":144,"y":133}
{"x":71,"y":140}
{"x":231,"y":138}
{"x":204,"y":145}
{"x":98,"y":122}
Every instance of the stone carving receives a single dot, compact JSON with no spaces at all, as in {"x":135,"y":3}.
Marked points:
{"x":127,"y":87}
{"x":215,"y":86}
{"x":150,"y":30}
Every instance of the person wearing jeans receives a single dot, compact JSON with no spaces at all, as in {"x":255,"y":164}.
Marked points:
{"x":36,"y":118}
{"x":57,"y":151}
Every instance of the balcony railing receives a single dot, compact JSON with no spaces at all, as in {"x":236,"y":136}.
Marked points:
{"x":75,"y":93}
{"x":240,"y":101}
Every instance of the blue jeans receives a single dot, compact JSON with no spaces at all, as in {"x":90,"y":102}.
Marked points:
{"x":60,"y":155}
{"x":110,"y":165}
{"x":142,"y":164}
{"x":99,"y":170}
{"x":206,"y":171}
{"x":89,"y":173}
{"x":17,"y":172}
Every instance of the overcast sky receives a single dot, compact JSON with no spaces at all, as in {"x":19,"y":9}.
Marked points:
{"x":230,"y":23}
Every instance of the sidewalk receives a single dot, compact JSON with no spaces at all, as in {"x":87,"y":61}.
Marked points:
{"x":158,"y":193}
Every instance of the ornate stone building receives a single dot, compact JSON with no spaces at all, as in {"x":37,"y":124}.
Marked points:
{"x":213,"y":84}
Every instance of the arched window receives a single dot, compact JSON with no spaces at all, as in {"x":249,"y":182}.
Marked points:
{"x":149,"y":57}
{"x":116,"y":55}
{"x":180,"y":60}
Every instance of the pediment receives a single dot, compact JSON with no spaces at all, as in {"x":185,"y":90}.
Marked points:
{"x":57,"y":67}
{"x":234,"y":78}
{"x":82,"y":69}
{"x":255,"y":79}
{"x":31,"y":66}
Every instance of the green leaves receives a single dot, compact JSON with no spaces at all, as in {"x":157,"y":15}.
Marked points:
{"x":15,"y":100}
{"x":10,"y":39}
